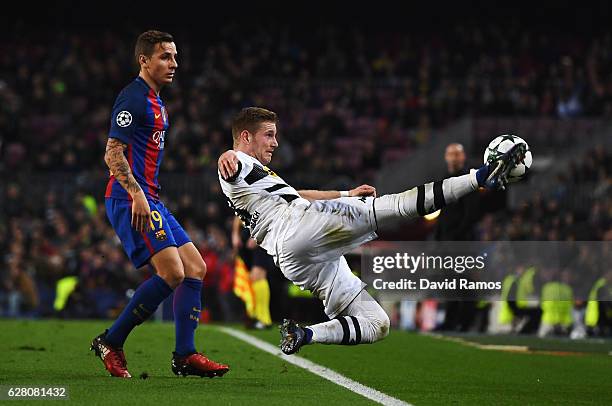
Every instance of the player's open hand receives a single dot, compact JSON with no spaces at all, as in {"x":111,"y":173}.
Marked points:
{"x":228,"y":164}
{"x":363,"y":190}
{"x":141,"y":213}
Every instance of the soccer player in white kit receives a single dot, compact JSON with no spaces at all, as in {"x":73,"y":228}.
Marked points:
{"x":307,"y":232}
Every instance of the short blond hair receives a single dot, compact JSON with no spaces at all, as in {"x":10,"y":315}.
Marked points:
{"x":249,"y":118}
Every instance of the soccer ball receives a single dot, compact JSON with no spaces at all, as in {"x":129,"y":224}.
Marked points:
{"x":501,"y":145}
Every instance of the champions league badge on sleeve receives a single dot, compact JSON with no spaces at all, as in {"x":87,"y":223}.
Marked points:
{"x":124,"y":118}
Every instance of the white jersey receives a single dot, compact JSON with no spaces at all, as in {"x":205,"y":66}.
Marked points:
{"x":258,"y":196}
{"x":307,"y":240}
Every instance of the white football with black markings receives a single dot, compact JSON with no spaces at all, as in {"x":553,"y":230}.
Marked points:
{"x":503,"y":144}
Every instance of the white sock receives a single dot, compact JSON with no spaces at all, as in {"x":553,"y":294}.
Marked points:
{"x":424,"y":199}
{"x":344,"y":330}
{"x":362,"y":322}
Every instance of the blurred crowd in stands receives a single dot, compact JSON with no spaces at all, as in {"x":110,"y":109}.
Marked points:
{"x":348,"y":103}
{"x":329,"y":85}
{"x":563,"y":215}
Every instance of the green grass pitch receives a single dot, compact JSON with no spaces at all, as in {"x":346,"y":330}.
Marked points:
{"x":418,"y":369}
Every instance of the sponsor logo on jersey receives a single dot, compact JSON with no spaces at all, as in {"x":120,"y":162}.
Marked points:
{"x":253,"y":222}
{"x":124,"y":118}
{"x":159,"y":138}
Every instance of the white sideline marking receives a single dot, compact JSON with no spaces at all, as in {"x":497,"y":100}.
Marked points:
{"x":317,"y":369}
{"x":511,"y":348}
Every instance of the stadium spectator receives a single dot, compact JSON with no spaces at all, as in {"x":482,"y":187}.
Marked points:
{"x":456,"y":223}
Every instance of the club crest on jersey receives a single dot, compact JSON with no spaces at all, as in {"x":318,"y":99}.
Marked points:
{"x":164,"y":114}
{"x":270,"y":171}
{"x":124,"y":118}
{"x":159,"y":138}
{"x":161,"y":235}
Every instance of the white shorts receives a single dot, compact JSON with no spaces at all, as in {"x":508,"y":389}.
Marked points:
{"x":311,"y":241}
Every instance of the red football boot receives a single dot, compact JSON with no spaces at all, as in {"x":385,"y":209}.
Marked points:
{"x":196,"y":364}
{"x":113,"y":358}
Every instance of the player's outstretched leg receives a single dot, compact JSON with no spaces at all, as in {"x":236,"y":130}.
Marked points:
{"x":427,"y":198}
{"x":362,"y":322}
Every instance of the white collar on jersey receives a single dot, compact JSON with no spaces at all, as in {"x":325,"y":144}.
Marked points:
{"x":247,"y":157}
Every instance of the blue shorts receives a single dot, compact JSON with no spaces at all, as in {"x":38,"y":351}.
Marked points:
{"x":139,"y":246}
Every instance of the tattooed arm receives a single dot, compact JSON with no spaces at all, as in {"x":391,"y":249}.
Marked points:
{"x":115,"y":159}
{"x":119,"y":167}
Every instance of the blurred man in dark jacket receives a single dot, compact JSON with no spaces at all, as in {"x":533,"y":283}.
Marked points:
{"x":456,"y":223}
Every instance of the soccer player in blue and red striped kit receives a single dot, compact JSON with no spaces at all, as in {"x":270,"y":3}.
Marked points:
{"x":148,"y":231}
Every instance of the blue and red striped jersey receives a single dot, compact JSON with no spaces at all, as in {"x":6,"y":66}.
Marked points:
{"x":139,"y":119}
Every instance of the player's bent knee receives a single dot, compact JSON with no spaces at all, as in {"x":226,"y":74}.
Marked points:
{"x":381,"y":325}
{"x":173,"y":277}
{"x":195,"y":269}
{"x":198,"y":271}
{"x":383,"y":328}
{"x":202,"y":270}
{"x":168,"y":266}
{"x":172,"y":273}
{"x":192,"y":261}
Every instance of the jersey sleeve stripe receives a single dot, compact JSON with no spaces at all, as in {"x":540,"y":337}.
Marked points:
{"x":289,"y":198}
{"x":276,"y":187}
{"x":235,"y":176}
{"x":257,"y":173}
